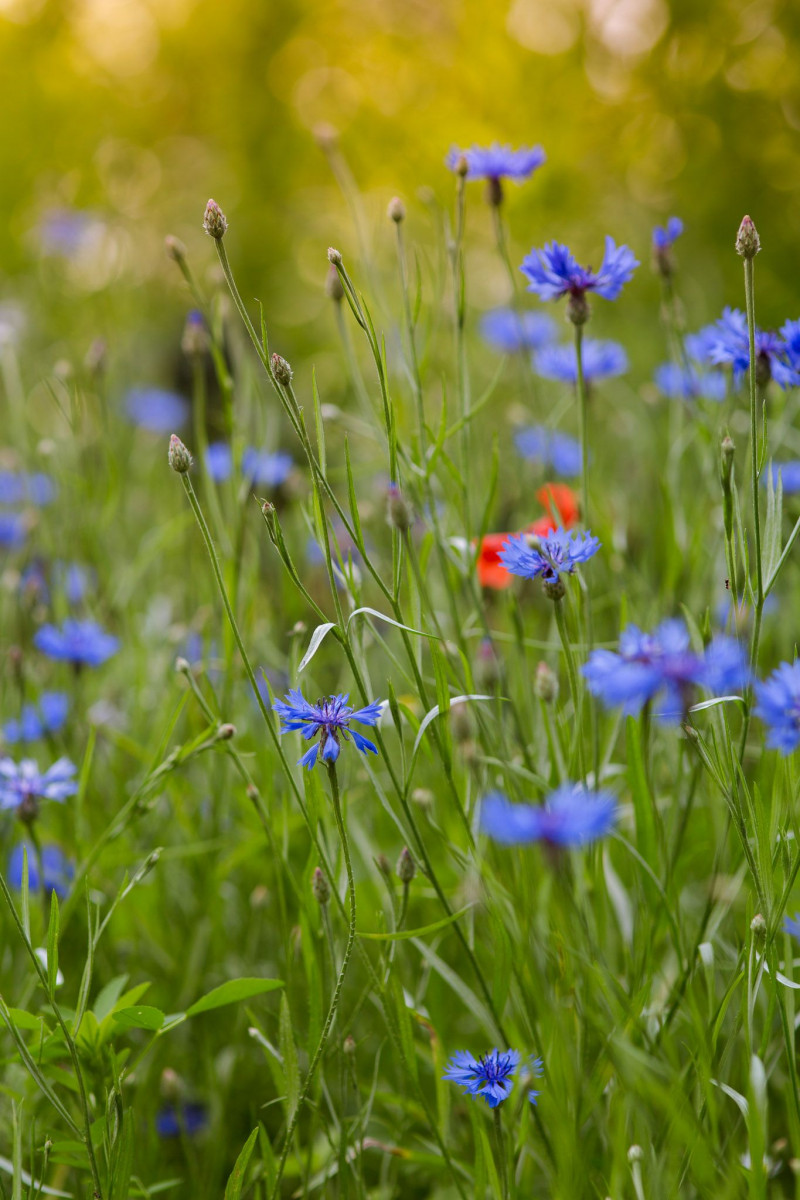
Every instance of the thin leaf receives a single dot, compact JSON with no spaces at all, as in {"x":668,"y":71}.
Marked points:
{"x":231,"y":993}
{"x":412,"y":933}
{"x":52,"y":944}
{"x":233,"y":1188}
{"x":315,"y":643}
{"x":434,"y":713}
{"x":373,"y":612}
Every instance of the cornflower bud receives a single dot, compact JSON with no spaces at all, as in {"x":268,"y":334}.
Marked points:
{"x":398,"y":512}
{"x":281,"y":370}
{"x":320,"y":888}
{"x":462,"y":166}
{"x":214,"y":221}
{"x":727,"y":449}
{"x":178,"y":456}
{"x":171,"y":1085}
{"x":748,"y":243}
{"x":406,"y":867}
{"x":635,"y":1154}
{"x":758,"y":928}
{"x":334,"y":256}
{"x":578,"y":310}
{"x":182,"y":665}
{"x":194,"y":340}
{"x":423,"y":797}
{"x":225,"y":732}
{"x":349,"y":1045}
{"x":175,"y":249}
{"x":396,"y":211}
{"x":546,"y":684}
{"x":383,"y":865}
{"x":333,"y":285}
{"x":555,"y":589}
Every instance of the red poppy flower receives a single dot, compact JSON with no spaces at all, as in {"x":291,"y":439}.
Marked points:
{"x":560,"y":502}
{"x":491,"y":572}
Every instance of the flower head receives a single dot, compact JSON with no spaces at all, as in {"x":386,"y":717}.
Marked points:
{"x":13,"y":530}
{"x":663,"y":661}
{"x":728,"y":342}
{"x":550,"y":448}
{"x":600,"y":360}
{"x":219,"y":461}
{"x":778,"y":706}
{"x":189,"y":1119}
{"x":559,"y":553}
{"x":79,"y":642}
{"x":689,"y":382}
{"x":329,"y":720}
{"x":266,"y":469}
{"x":490,"y":1076}
{"x":511,"y":332}
{"x":156,"y":409}
{"x":571,"y":816}
{"x":667,"y":235}
{"x":35,"y":721}
{"x":562,"y":508}
{"x":497,"y":162}
{"x":26,"y":487}
{"x":22,"y":785}
{"x":56,"y":869}
{"x":554,"y":272}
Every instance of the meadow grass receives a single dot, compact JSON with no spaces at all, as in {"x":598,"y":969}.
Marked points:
{"x":223,"y":972}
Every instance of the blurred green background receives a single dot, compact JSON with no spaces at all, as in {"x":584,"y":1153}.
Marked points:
{"x":121,"y":117}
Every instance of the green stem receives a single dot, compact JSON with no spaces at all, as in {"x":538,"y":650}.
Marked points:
{"x":351,"y":937}
{"x":574,"y":687}
{"x":501,"y":1152}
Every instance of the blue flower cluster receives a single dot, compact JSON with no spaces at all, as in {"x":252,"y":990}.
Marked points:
{"x":51,"y":870}
{"x":665,"y":236}
{"x":727,"y":342}
{"x":22,"y":784}
{"x":663,"y":662}
{"x":329,"y":721}
{"x":778,"y":706}
{"x":550,"y":448}
{"x":788,"y":473}
{"x":571,"y":816}
{"x":18,"y":488}
{"x":82,"y":643}
{"x":35,"y":721}
{"x":490,"y":1076}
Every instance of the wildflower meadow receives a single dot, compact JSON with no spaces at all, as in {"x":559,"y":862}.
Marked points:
{"x":398,"y":751}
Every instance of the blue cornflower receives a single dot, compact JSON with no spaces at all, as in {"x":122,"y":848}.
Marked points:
{"x":47,"y":715}
{"x":13,"y":530}
{"x":497,"y":162}
{"x":571,"y":816}
{"x":192,"y":1118}
{"x":779,"y":707}
{"x":727,"y":341}
{"x":667,"y":235}
{"x":156,"y":409}
{"x":56,"y":869}
{"x":557,"y":554}
{"x":78,"y":642}
{"x":601,"y":360}
{"x":22,"y":784}
{"x":550,"y":448}
{"x":330,"y":719}
{"x":792,"y":926}
{"x":266,"y":469}
{"x":75,"y":580}
{"x":511,"y":332}
{"x":489,"y":1076}
{"x":26,"y":487}
{"x":689,"y":382}
{"x":554,"y":272}
{"x":789,"y":475}
{"x":648,"y":663}
{"x":64,"y":231}
{"x":219,"y":461}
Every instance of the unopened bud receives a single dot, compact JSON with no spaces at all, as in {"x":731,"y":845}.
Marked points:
{"x":758,"y":928}
{"x":635,"y":1154}
{"x":320,"y":887}
{"x":194,"y":340}
{"x":226,"y":732}
{"x":748,"y":243}
{"x":578,"y":311}
{"x":424,"y":797}
{"x":384,"y":866}
{"x":214,"y":221}
{"x":546,"y":683}
{"x":462,"y":166}
{"x":349,"y":1045}
{"x":406,"y":867}
{"x":334,"y":256}
{"x":461,"y":724}
{"x":171,"y":1085}
{"x":555,"y":589}
{"x":396,"y":211}
{"x":333,"y":285}
{"x":399,"y":514}
{"x":178,"y":456}
{"x":175,"y":249}
{"x":727,"y":449}
{"x":281,"y":370}
{"x":182,"y":665}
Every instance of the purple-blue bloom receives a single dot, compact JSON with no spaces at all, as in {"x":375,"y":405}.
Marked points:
{"x":23,"y":784}
{"x":156,"y":409}
{"x":490,"y":1076}
{"x":13,"y":530}
{"x":554,"y":272}
{"x":330,"y":720}
{"x":47,"y":715}
{"x":266,"y":469}
{"x":727,"y":342}
{"x":571,"y":816}
{"x":550,"y":448}
{"x":601,"y":360}
{"x":511,"y":332}
{"x":792,"y":926}
{"x":26,"y":487}
{"x":219,"y":461}
{"x":779,"y":707}
{"x":56,"y":869}
{"x":497,"y":162}
{"x":78,"y":642}
{"x":690,"y":383}
{"x":557,"y":554}
{"x":62,"y":231}
{"x":725,"y":666}
{"x":665,"y":236}
{"x":190,"y":1119}
{"x":789,"y":475}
